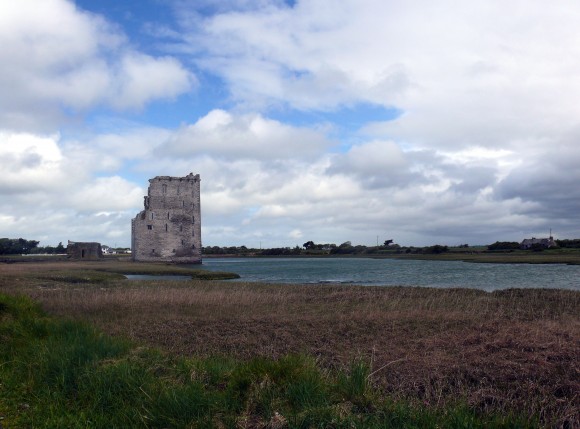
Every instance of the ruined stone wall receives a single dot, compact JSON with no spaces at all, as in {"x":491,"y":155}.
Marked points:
{"x":86,"y":250}
{"x":169,"y":229}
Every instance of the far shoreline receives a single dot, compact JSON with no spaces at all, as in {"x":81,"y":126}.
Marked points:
{"x":516,"y":257}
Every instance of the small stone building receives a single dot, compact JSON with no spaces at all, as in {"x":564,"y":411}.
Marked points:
{"x":169,"y":229}
{"x":78,"y":250}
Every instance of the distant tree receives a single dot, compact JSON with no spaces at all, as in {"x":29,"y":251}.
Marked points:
{"x":388,"y":243}
{"x":213,"y":250}
{"x":15,"y":246}
{"x":309,"y":245}
{"x":504,"y":245}
{"x":280,"y":251}
{"x":344,"y":248}
{"x":573,"y":243}
{"x":436,"y":249}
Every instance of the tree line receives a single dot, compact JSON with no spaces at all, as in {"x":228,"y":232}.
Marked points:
{"x":388,"y":247}
{"x":21,"y":246}
{"x":311,"y":248}
{"x":514,"y":245}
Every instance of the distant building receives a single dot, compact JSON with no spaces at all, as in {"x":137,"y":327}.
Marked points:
{"x":108,"y":250}
{"x":545,"y":243}
{"x":169,"y":229}
{"x":79,"y":250}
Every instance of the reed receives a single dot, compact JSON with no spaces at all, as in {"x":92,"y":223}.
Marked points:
{"x":67,"y":374}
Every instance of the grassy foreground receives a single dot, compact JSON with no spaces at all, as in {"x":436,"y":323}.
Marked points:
{"x":208,"y":354}
{"x":67,"y":374}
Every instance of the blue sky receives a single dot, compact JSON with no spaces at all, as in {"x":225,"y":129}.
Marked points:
{"x":415,"y":121}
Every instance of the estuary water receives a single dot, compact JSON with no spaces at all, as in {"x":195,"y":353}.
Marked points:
{"x":396,"y":272}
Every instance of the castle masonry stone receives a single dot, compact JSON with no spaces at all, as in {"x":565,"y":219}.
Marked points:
{"x":169,"y":229}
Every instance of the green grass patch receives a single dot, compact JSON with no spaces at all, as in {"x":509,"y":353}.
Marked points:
{"x":79,"y":276}
{"x":58,"y":373}
{"x":213,"y":275}
{"x":158,"y":269}
{"x":105,"y":271}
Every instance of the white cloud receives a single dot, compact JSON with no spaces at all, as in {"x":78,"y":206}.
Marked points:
{"x":109,"y":194}
{"x":56,"y":58}
{"x":485,"y":95}
{"x":464,"y":74}
{"x":142,"y":78}
{"x":29,"y":162}
{"x":49,"y":191}
{"x":295,"y":233}
{"x":230,"y":136}
{"x":376,"y":164}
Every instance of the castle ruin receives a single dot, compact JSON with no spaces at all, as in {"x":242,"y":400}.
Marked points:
{"x":169,"y":229}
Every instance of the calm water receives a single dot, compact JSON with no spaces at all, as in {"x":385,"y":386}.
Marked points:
{"x":390,"y":272}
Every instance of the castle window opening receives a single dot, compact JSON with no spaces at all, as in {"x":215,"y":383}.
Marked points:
{"x":180,"y":228}
{"x":149,"y":226}
{"x":165,"y":227}
{"x":151,"y":216}
{"x":164,"y":188}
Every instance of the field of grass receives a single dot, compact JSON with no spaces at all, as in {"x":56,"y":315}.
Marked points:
{"x":256,"y":355}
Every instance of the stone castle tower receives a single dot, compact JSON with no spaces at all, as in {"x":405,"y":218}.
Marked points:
{"x":169,"y":229}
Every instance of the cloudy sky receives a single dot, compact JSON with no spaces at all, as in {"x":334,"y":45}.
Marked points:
{"x":425,"y":122}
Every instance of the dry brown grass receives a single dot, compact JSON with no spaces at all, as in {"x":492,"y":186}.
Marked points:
{"x":512,"y":351}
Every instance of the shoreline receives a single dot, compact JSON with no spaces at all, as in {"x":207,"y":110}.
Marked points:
{"x":565,"y":258}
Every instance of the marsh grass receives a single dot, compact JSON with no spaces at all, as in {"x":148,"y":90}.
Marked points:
{"x":103,"y":271}
{"x":67,"y":374}
{"x":350,"y":355}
